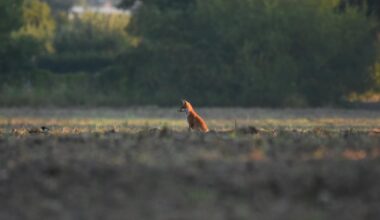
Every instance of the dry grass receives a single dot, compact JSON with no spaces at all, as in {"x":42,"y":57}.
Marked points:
{"x":219,"y":119}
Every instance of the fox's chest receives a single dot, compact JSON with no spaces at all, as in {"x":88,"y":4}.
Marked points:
{"x":194,"y":121}
{"x":190,"y":117}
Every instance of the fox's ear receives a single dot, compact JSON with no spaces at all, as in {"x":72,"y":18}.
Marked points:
{"x":183,"y":101}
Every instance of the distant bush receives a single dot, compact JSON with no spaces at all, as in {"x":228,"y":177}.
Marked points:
{"x":38,"y":23}
{"x":249,"y":52}
{"x":83,"y":49}
{"x":88,"y":43}
{"x":10,"y":21}
{"x":42,"y":88}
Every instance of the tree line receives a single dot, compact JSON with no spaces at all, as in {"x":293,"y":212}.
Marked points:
{"x":214,"y":52}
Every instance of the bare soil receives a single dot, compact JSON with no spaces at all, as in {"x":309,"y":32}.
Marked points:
{"x":122,"y":164}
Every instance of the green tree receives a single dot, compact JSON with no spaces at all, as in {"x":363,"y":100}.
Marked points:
{"x":32,"y":39}
{"x":10,"y":20}
{"x":372,"y":7}
{"x":10,"y":11}
{"x":89,"y":43}
{"x":38,"y":23}
{"x":59,"y":5}
{"x":249,"y":52}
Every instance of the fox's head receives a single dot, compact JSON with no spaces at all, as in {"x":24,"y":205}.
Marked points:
{"x":185,"y":107}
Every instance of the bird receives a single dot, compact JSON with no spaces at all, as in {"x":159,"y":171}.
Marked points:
{"x":40,"y":130}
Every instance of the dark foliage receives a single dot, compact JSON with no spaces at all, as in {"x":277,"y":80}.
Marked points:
{"x":249,"y":52}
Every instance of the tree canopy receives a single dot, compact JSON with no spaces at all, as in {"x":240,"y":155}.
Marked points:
{"x":372,"y":7}
{"x":214,"y":52}
{"x":10,"y":20}
{"x":250,"y":51}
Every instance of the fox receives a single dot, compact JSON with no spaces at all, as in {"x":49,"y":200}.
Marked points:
{"x":195,"y":121}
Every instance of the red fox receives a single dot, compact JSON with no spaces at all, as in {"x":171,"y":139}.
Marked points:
{"x":195,"y":121}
